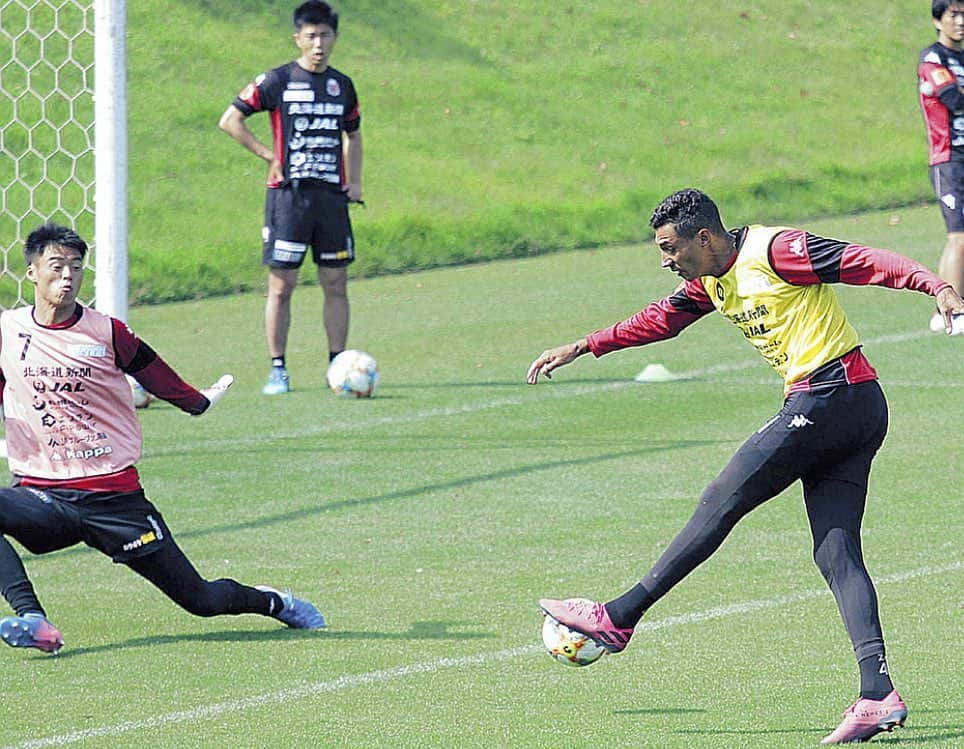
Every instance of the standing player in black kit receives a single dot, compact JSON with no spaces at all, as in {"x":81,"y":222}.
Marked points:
{"x":940,"y":73}
{"x":313,"y":174}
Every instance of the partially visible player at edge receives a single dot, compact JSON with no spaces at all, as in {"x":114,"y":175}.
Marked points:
{"x":313,"y":174}
{"x":940,"y":74}
{"x":72,"y":441}
{"x":773,"y":284}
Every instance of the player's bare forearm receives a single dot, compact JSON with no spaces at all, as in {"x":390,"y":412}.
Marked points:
{"x":353,"y":165}
{"x":553,"y":358}
{"x":232,"y":122}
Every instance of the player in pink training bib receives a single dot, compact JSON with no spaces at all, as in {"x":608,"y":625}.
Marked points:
{"x":73,"y":439}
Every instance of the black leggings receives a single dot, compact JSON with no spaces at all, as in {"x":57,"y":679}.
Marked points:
{"x":827,"y":440}
{"x":171,"y":571}
{"x":45,"y":521}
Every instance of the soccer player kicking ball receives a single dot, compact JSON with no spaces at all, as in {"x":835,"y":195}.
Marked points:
{"x":773,"y":284}
{"x":72,"y":441}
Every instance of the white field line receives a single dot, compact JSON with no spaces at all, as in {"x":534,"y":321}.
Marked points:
{"x":539,"y":393}
{"x":342,"y":683}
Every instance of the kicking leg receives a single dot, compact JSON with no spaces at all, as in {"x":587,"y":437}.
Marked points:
{"x":172,"y":572}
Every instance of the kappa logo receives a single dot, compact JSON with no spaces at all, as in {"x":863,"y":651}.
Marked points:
{"x":949,"y":200}
{"x":797,"y":247}
{"x":798,"y":421}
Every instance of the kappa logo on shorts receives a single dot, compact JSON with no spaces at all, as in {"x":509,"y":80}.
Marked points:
{"x":798,"y":421}
{"x":949,"y":200}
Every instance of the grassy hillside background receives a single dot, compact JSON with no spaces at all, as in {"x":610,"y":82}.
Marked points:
{"x":496,"y":129}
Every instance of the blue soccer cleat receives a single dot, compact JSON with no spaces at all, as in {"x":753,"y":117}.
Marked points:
{"x":277,"y":383}
{"x":31,"y":630}
{"x":296,"y":612}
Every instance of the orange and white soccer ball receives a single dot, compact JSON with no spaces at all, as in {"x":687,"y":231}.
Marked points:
{"x":353,"y":374}
{"x":568,"y":646}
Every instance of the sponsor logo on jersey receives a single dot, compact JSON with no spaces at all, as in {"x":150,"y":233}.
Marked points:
{"x":940,"y":76}
{"x":87,"y":349}
{"x":797,"y":248}
{"x":755,"y":284}
{"x":799,"y":421}
{"x":86,"y":453}
{"x":298,"y":96}
{"x":298,"y":84}
{"x":332,"y":87}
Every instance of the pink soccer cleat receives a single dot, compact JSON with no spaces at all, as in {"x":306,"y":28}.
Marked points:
{"x":589,"y":618}
{"x":866,"y":718}
{"x":31,"y":630}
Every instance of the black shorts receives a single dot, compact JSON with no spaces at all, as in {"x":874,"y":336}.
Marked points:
{"x":948,"y":182}
{"x":825,"y":434}
{"x":121,"y":525}
{"x":297,"y":216}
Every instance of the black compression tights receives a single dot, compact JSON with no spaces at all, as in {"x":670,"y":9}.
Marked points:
{"x":835,"y":509}
{"x":171,"y":571}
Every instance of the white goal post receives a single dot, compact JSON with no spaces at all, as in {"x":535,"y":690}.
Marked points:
{"x":63,"y":137}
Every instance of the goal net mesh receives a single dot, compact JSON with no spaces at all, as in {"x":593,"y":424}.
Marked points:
{"x":46,"y":130}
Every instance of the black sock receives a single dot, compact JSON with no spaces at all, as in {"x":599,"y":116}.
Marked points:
{"x":275,"y":604}
{"x":629,"y":608}
{"x":277,"y":361}
{"x":332,"y":355}
{"x":875,"y":683}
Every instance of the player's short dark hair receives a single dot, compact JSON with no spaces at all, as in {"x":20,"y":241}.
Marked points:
{"x":689,"y":211}
{"x":52,"y":234}
{"x":939,"y":7}
{"x":315,"y":12}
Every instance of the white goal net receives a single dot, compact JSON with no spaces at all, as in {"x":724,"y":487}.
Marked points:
{"x":47,"y":165}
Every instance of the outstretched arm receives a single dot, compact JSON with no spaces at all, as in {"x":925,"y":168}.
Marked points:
{"x":655,"y":322}
{"x":554,"y":358}
{"x":140,"y":361}
{"x":802,"y":258}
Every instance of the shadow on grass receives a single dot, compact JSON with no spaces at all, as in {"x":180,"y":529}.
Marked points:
{"x":940,"y":735}
{"x":659,"y":711}
{"x":441,"y":630}
{"x":404,"y":494}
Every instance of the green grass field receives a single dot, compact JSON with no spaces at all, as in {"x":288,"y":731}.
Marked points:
{"x":491,"y":129}
{"x":428,"y":520}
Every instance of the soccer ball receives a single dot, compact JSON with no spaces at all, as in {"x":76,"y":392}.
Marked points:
{"x":353,"y":374}
{"x":142,"y":399}
{"x":569,"y":647}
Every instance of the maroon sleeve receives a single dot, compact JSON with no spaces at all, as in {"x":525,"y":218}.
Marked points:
{"x":802,"y":258}
{"x":142,"y":363}
{"x":658,"y":321}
